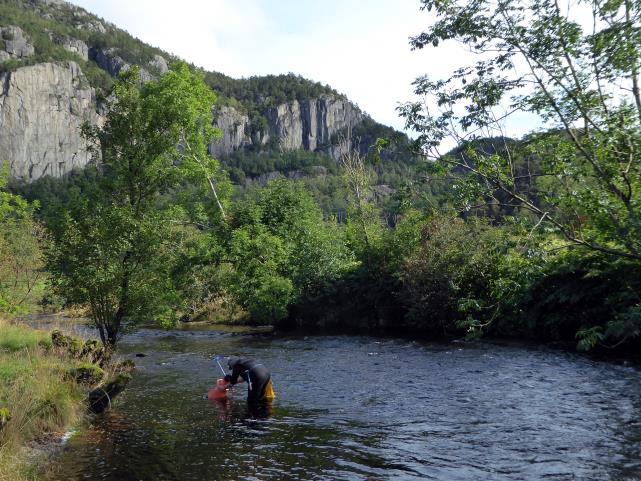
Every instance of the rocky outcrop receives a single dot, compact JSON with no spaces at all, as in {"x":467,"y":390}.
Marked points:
{"x":93,"y":26}
{"x":108,"y":60}
{"x":311,"y":124}
{"x":308,"y":125}
{"x":159,"y":64}
{"x":14,"y":44}
{"x":42,"y":108}
{"x":113,"y":64}
{"x":54,"y":2}
{"x":234,"y":129}
{"x":78,"y":47}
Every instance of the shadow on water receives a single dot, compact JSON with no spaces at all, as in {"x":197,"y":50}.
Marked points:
{"x":356,"y":408}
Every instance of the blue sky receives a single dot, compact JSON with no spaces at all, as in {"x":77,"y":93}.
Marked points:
{"x":359,"y":47}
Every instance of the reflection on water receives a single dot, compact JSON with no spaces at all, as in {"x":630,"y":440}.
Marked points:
{"x":356,"y":408}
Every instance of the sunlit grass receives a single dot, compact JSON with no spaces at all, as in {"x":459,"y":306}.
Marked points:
{"x":15,"y":337}
{"x":36,"y":389}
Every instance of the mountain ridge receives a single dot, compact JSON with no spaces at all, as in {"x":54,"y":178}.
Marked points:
{"x":83,"y":53}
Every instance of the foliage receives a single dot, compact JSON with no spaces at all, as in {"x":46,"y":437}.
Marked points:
{"x":16,"y":337}
{"x":259,"y":93}
{"x":537,"y":237}
{"x":37,"y":395}
{"x":447,"y":280}
{"x":114,"y":249}
{"x":595,"y":296}
{"x":283,"y":251}
{"x":539,"y":58}
{"x":20,"y":251}
{"x":254,"y":163}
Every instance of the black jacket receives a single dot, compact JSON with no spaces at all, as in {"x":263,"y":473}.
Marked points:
{"x":255,"y":374}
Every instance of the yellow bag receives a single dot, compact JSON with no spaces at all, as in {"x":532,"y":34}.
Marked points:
{"x":269,"y":391}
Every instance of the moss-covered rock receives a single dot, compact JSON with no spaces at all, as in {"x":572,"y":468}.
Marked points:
{"x":88,"y":374}
{"x":60,"y":340}
{"x":126,"y":366}
{"x":5,"y":417}
{"x":93,"y":351}
{"x":101,"y":397}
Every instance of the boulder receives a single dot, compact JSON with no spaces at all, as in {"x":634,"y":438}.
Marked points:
{"x":66,"y":343}
{"x":93,"y":351}
{"x":88,"y":374}
{"x":14,"y":43}
{"x":100,"y":398}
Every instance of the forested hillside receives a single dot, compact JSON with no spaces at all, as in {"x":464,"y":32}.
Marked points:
{"x":140,"y":192}
{"x":259,"y":117}
{"x":353,"y":226}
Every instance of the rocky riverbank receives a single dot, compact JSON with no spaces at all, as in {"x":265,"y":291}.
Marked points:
{"x":49,"y":382}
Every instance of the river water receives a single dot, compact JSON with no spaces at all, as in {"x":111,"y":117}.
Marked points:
{"x":364,"y":408}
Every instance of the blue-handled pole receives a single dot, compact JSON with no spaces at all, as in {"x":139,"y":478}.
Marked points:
{"x":216,"y":358}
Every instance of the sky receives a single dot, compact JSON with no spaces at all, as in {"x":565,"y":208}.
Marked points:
{"x":358,"y":47}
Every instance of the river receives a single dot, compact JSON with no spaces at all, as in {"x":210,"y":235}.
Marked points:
{"x":364,"y":408}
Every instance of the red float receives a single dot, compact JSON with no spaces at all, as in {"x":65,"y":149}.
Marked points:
{"x":219,"y":392}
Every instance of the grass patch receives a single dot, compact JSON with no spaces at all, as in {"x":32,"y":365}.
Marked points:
{"x":16,"y":337}
{"x":37,"y":392}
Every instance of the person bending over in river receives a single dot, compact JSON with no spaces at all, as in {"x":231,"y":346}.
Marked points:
{"x":257,"y":376}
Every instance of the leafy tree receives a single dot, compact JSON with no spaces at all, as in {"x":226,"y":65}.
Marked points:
{"x":580,"y":76}
{"x":448,"y":282}
{"x":259,"y":281}
{"x":116,"y":246}
{"x":21,"y":259}
{"x":281,"y":245}
{"x":364,"y":218}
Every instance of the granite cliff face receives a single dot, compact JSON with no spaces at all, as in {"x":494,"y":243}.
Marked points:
{"x":14,"y":44}
{"x":308,"y":125}
{"x":43,"y":105}
{"x":42,"y":108}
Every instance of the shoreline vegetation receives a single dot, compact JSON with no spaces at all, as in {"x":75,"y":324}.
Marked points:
{"x":536,"y":238}
{"x":47,"y":381}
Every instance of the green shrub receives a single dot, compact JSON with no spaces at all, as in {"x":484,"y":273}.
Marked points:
{"x":447,"y":281}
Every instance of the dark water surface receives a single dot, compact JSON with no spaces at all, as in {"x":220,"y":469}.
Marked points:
{"x":357,"y":408}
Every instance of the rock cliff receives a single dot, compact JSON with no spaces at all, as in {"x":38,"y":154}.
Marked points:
{"x":308,"y":125}
{"x":14,"y":44}
{"x":42,"y":108}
